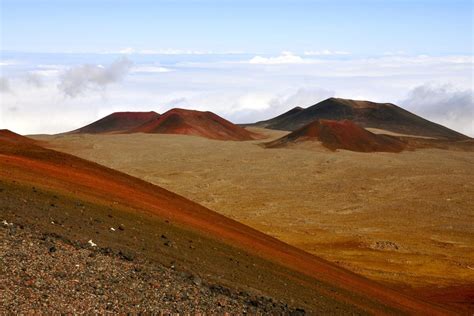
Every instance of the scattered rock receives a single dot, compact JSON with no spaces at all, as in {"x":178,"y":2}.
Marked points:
{"x":197,"y":280}
{"x":79,"y":279}
{"x":384,"y":245}
{"x":126,"y":255}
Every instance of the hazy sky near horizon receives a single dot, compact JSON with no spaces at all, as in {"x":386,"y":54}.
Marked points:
{"x":66,"y":63}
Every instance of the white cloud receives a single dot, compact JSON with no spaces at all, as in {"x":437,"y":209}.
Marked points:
{"x":5,"y":85}
{"x":284,"y":58}
{"x":303,"y":97}
{"x":255,"y":107}
{"x":443,"y":104}
{"x":229,"y":86}
{"x":8,"y":63}
{"x":77,"y":80}
{"x":34,"y":79}
{"x":127,"y":50}
{"x":287,"y":57}
{"x":171,"y":51}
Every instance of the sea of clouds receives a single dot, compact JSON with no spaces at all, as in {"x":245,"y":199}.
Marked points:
{"x":51,"y":93}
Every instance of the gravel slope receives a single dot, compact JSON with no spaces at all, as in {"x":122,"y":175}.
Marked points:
{"x":44,"y":273}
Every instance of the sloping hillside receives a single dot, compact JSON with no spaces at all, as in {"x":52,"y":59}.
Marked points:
{"x":196,"y":123}
{"x":117,"y":122}
{"x":81,"y":201}
{"x":385,"y":116}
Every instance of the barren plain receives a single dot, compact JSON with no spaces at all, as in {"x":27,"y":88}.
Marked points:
{"x":405,"y":219}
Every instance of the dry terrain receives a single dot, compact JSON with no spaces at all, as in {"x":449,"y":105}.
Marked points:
{"x":406,"y":218}
{"x":65,"y":200}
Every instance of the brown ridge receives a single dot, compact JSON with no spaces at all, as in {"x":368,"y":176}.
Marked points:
{"x":196,"y":123}
{"x":117,"y":122}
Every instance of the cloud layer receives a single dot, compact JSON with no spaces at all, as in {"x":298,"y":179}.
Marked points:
{"x":229,"y":85}
{"x":444,"y":104}
{"x":4,"y":85}
{"x":76,"y":80}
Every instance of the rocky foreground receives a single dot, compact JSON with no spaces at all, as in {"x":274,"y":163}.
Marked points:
{"x":47,"y":274}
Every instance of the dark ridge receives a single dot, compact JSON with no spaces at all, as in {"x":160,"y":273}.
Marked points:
{"x":366,"y":114}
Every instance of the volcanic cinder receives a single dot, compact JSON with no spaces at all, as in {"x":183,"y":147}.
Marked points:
{"x":118,"y":122}
{"x":341,"y":135}
{"x":195,"y":123}
{"x":8,"y":136}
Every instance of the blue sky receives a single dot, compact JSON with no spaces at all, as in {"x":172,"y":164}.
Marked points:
{"x":260,"y":26}
{"x":67,"y":63}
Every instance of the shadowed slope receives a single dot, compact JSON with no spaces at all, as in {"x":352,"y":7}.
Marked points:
{"x":341,"y":135}
{"x":366,"y":114}
{"x":88,"y":198}
{"x":196,"y":123}
{"x":117,"y":122}
{"x":280,"y":118}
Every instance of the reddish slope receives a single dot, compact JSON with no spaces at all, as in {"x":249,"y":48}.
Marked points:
{"x":342,"y":135}
{"x":117,"y":122}
{"x":196,"y":123}
{"x":7,"y":136}
{"x":318,"y":280}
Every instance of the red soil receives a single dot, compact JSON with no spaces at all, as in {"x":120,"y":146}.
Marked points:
{"x":197,"y":123}
{"x":460,"y":297}
{"x":7,"y":136}
{"x":117,"y":122}
{"x":343,"y":135}
{"x":67,"y":174}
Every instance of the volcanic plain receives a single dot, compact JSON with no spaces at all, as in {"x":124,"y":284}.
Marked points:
{"x":52,"y":203}
{"x":404,"y":219}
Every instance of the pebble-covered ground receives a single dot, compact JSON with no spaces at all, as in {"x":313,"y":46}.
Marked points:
{"x":43,"y":273}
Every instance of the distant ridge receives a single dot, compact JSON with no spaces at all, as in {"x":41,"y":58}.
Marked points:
{"x":196,"y":123}
{"x":174,"y":121}
{"x":117,"y":122}
{"x":385,"y":116}
{"x":341,"y":135}
{"x":280,"y":118}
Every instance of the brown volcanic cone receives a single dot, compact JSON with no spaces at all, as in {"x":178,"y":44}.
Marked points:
{"x":197,"y":123}
{"x":341,"y":135}
{"x":118,"y":122}
{"x":366,"y":114}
